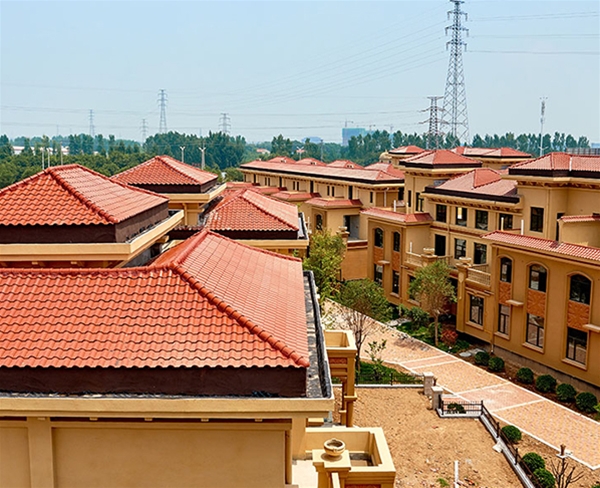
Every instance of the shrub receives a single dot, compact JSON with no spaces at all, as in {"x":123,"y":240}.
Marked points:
{"x":544,"y":478}
{"x":449,"y":336}
{"x":525,"y":376}
{"x":496,"y":364}
{"x":533,"y":461}
{"x":586,"y":402}
{"x":565,"y":393}
{"x":545,"y":383}
{"x":512,"y":433}
{"x":482,"y":358}
{"x":456,"y":408}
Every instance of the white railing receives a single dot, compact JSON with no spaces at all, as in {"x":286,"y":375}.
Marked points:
{"x":415,"y":259}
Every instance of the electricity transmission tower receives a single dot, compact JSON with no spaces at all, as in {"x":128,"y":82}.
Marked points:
{"x":144,"y":129}
{"x":162,"y":101}
{"x":92,"y":128}
{"x":455,"y":96}
{"x":542,"y":120}
{"x":224,"y":123}
{"x":434,"y":134}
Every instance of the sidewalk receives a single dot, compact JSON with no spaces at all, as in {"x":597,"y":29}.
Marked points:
{"x":546,"y":421}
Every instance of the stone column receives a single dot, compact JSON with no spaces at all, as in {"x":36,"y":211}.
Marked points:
{"x":428,"y":383}
{"x":436,"y":395}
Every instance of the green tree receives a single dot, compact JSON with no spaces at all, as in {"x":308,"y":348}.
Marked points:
{"x":364,"y":302}
{"x":433,"y":289}
{"x":325,"y":256}
{"x":281,"y":146}
{"x":6,"y":148}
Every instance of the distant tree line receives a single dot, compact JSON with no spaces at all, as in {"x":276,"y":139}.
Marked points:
{"x":530,"y":143}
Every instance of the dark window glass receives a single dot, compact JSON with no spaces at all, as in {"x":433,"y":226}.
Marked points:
{"x":537,"y":219}
{"x":577,"y":345}
{"x":395,"y":282}
{"x":440,"y":245}
{"x":371,"y":197}
{"x":503,"y":319}
{"x":410,"y":295}
{"x":378,"y":274}
{"x":506,"y":222}
{"x":419,"y":203}
{"x":461,"y":216}
{"x":581,"y":289}
{"x":350,"y":192}
{"x":441,"y":212}
{"x":400,"y":194}
{"x":535,"y":330}
{"x":481,"y":219}
{"x":460,"y":248}
{"x":476,"y":310}
{"x":480,"y":254}
{"x":378,"y":237}
{"x":409,"y":198}
{"x":319,"y":222}
{"x":396,"y":241}
{"x":537,"y":277}
{"x":506,"y":270}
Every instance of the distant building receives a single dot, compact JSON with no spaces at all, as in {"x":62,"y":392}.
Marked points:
{"x":349,"y":132}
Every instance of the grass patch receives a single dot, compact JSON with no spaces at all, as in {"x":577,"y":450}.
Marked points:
{"x":371,"y":374}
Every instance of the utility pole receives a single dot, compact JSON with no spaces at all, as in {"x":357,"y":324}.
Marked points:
{"x":224,"y":123}
{"x":542,"y":120}
{"x":202,"y":149}
{"x":182,"y":153}
{"x":92,"y":131}
{"x":455,"y":95}
{"x":433,"y":134}
{"x":162,"y":101}
{"x":144,"y":129}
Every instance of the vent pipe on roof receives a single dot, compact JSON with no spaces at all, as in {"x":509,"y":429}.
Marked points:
{"x":394,"y":205}
{"x":522,"y":226}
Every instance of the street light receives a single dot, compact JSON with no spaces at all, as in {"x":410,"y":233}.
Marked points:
{"x":182,"y":153}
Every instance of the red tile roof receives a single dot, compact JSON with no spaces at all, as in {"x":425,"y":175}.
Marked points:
{"x":545,"y":245}
{"x":386,"y":168}
{"x":209,"y":302}
{"x":398,"y":217}
{"x":72,"y":195}
{"x":294,"y":196}
{"x":440,"y":157}
{"x":311,"y":162}
{"x":164,"y":170}
{"x":483,"y":181}
{"x":250,"y":210}
{"x":361,"y":174}
{"x":282,"y":160}
{"x":488,"y":152}
{"x":407,"y":150}
{"x":344,"y":163}
{"x":558,"y":161}
{"x":581,"y":218}
{"x":334,"y":202}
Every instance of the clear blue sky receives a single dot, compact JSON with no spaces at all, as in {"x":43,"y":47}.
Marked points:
{"x":297,"y":68}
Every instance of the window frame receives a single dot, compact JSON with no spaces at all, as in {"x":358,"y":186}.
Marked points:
{"x":539,"y":338}
{"x":318,"y":222}
{"x":379,"y":236}
{"x":572,"y":343}
{"x":464,"y":247}
{"x":479,"y":224}
{"x":396,"y":240}
{"x":441,"y":209}
{"x":506,"y":277}
{"x":462,"y":222}
{"x":480,"y":250}
{"x":536,"y":219}
{"x":395,"y":282}
{"x":378,"y":274}
{"x":541,"y":284}
{"x":506,"y":217}
{"x":576,"y":295}
{"x":476,"y":310}
{"x":503,"y":319}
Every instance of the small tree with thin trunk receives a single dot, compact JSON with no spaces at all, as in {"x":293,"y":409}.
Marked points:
{"x":364,"y":302}
{"x":433,"y":289}
{"x":325,"y":256}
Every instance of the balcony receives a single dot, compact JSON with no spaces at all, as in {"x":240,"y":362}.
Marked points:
{"x":479,"y":274}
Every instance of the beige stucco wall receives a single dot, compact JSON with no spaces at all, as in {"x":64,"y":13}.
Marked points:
{"x":14,"y":456}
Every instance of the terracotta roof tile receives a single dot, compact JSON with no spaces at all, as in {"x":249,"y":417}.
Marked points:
{"x":164,"y":170}
{"x":311,"y":162}
{"x":398,"y":217}
{"x":440,"y":157}
{"x":387,"y":168}
{"x":294,"y":196}
{"x":344,"y":163}
{"x":72,"y":195}
{"x":558,"y":161}
{"x":581,"y":218}
{"x":334,"y":202}
{"x":250,"y":210}
{"x":545,"y":245}
{"x":499,"y":152}
{"x":407,"y":150}
{"x":208,"y":302}
{"x":482,"y":181}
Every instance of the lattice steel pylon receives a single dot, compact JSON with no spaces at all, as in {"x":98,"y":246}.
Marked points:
{"x":455,"y":96}
{"x":434,"y":134}
{"x":162,"y":100}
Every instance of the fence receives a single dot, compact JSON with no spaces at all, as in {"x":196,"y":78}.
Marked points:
{"x":374,"y":377}
{"x":459,"y":408}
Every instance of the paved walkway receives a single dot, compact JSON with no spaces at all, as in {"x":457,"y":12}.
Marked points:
{"x":542,"y":419}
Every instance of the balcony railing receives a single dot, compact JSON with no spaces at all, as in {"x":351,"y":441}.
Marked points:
{"x":414,"y":259}
{"x":477,"y":276}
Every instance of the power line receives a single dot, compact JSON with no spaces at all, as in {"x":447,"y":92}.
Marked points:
{"x":162,"y":100}
{"x":92,"y":131}
{"x":455,"y":95}
{"x":434,"y":133}
{"x":144,"y":129}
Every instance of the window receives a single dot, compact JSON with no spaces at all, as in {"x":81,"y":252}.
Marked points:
{"x":441,"y":212}
{"x":419,"y":202}
{"x":280,"y":181}
{"x":400,"y":194}
{"x":506,"y":270}
{"x":537,"y":277}
{"x":581,"y":289}
{"x":267,"y":181}
{"x":461,"y":216}
{"x":506,"y":222}
{"x":439,"y":245}
{"x":409,"y":198}
{"x":480,"y":254}
{"x":378,"y":237}
{"x":371,"y":197}
{"x":535,"y":330}
{"x":395,"y":282}
{"x":396,"y":242}
{"x":254,"y":179}
{"x":312,"y":186}
{"x":350,"y":192}
{"x":559,"y":215}
{"x":330,"y":191}
{"x":476,"y":310}
{"x":481,"y":219}
{"x":333,"y":191}
{"x":503,"y":319}
{"x":536,"y":223}
{"x":378,"y":274}
{"x":411,"y":296}
{"x":319,"y":222}
{"x":460,"y":248}
{"x":576,"y":345}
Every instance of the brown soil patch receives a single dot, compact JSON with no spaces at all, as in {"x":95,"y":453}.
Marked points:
{"x":424,"y":446}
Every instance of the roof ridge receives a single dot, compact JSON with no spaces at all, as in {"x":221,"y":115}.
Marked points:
{"x":240,"y":318}
{"x":263,"y":209}
{"x":174,"y":167}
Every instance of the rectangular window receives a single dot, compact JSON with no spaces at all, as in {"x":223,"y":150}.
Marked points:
{"x":577,"y":345}
{"x":537,"y":278}
{"x":419,"y":202}
{"x":476,"y":310}
{"x":378,"y":274}
{"x":395,"y":282}
{"x":350,"y":192}
{"x":503,"y":319}
{"x":371,"y":197}
{"x":480,"y":254}
{"x":254,"y":179}
{"x":460,"y":248}
{"x":400,"y":194}
{"x":409,"y":198}
{"x":411,"y":296}
{"x":481,"y":219}
{"x":461,"y":216}
{"x":439,"y":245}
{"x":441,"y":213}
{"x":396,"y":242}
{"x":506,"y":222}
{"x":535,"y":330}
{"x":333,"y":191}
{"x":536,"y":223}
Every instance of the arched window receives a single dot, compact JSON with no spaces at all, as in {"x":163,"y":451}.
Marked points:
{"x":506,"y":270}
{"x":581,"y":289}
{"x":378,"y":237}
{"x":537,"y":277}
{"x":319,"y":222}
